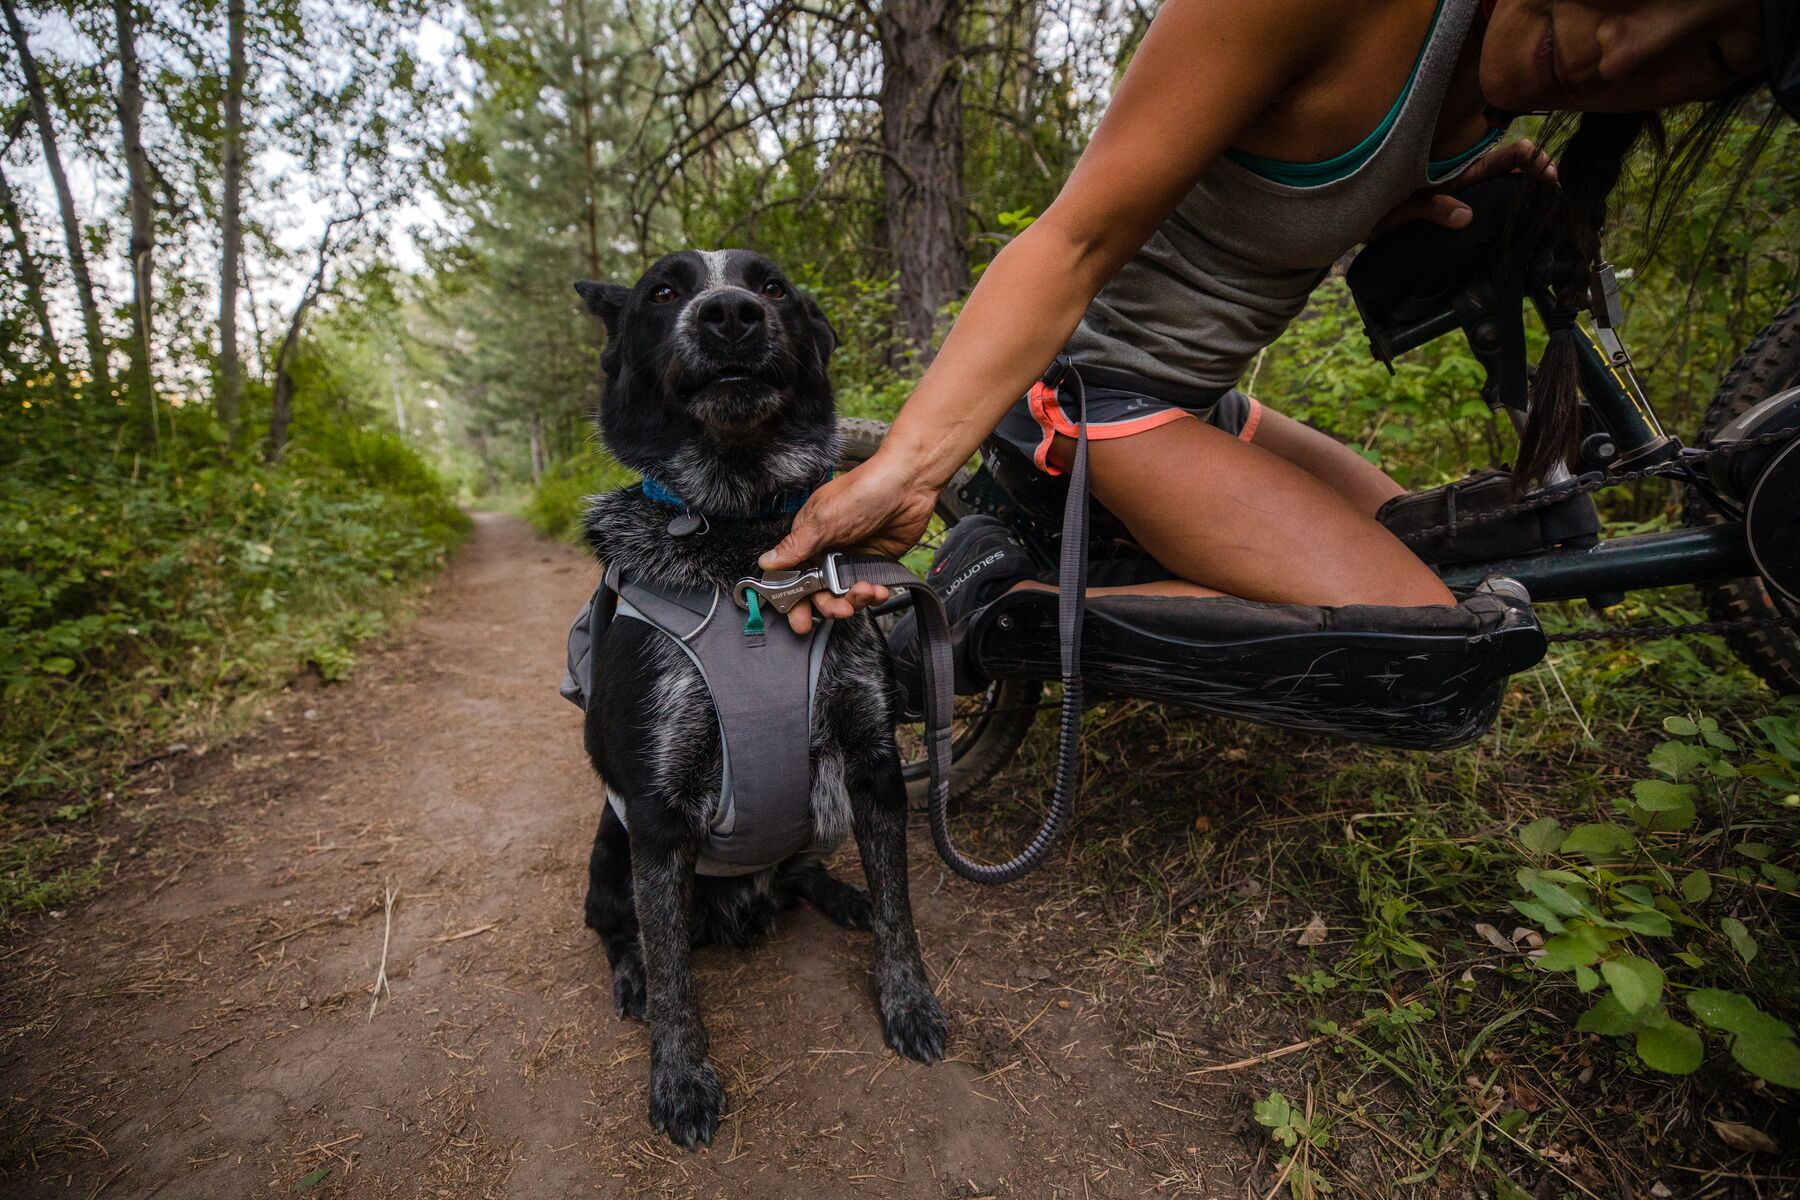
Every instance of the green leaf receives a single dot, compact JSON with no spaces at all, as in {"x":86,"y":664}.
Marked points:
{"x":1733,"y":1012}
{"x":1781,"y":877}
{"x":1565,"y":951}
{"x":1274,"y":1112}
{"x":1555,"y":897}
{"x":57,"y":666}
{"x":312,"y":1179}
{"x":1607,"y":1017}
{"x":1650,"y":924}
{"x":1696,"y":886}
{"x":1760,"y":851}
{"x":1673,"y":1049}
{"x":1774,"y":1059}
{"x":1596,"y":840}
{"x":1669,"y":820}
{"x":1659,"y":795}
{"x":1741,"y":941}
{"x":1676,"y":759}
{"x":1537,"y":912}
{"x":1637,"y":982}
{"x":1586,"y":978}
{"x":1783,"y":734}
{"x":1720,"y":741}
{"x":1542,"y":835}
{"x":1680,"y":726}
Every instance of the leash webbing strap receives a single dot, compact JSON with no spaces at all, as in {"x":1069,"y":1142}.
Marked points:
{"x":935,"y":655}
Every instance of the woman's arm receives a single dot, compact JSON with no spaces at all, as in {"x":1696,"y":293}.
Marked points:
{"x":1206,"y":69}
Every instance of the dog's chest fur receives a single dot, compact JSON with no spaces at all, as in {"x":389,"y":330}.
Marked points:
{"x":673,"y":727}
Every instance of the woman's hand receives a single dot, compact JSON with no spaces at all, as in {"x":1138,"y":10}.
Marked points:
{"x":1522,"y":157}
{"x":878,"y":507}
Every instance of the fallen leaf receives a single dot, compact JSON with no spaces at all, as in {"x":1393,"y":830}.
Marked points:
{"x":1744,"y":1137}
{"x":1495,"y":938}
{"x":1314,"y":933}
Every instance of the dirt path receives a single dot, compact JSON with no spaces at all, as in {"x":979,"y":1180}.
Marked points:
{"x":203,"y":1027}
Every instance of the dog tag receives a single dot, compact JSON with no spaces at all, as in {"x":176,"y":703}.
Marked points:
{"x":685,"y":524}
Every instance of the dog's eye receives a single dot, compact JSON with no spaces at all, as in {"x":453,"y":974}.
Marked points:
{"x":662,"y":295}
{"x":774,"y":289}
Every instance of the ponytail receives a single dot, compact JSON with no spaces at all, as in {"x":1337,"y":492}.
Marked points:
{"x":1563,"y":224}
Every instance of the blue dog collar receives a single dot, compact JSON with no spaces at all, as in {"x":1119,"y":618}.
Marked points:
{"x":785,"y":504}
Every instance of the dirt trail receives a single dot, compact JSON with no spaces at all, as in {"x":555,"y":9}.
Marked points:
{"x":202,"y":1028}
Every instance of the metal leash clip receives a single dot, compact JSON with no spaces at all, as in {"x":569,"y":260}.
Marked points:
{"x":784,"y":589}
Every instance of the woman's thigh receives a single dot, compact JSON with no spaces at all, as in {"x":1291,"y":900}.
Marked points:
{"x":1238,"y":518}
{"x":1365,"y":485}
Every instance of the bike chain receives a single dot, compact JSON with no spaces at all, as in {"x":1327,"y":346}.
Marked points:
{"x":1681,"y":466}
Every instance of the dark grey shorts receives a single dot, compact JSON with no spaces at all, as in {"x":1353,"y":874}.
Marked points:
{"x":1112,"y":412}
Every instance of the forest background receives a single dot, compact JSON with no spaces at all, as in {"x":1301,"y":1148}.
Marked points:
{"x":286,"y":284}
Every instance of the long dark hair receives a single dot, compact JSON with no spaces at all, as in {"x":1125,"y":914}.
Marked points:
{"x":1559,"y":227}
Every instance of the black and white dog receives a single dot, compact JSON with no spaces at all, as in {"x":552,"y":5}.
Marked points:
{"x":715,"y":386}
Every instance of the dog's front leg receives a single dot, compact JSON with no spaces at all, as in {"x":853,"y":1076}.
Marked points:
{"x":685,"y":1096}
{"x":911,"y":1019}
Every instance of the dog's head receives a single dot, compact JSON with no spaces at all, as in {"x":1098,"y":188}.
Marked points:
{"x":715,"y":366}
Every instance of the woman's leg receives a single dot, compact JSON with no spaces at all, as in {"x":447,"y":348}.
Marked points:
{"x":1242,"y":520}
{"x":1365,"y":485}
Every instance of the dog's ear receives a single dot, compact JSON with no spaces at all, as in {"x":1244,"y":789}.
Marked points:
{"x":823,"y":333}
{"x":604,"y":300}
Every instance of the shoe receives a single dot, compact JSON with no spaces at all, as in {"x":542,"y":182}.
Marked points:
{"x":977,"y":563}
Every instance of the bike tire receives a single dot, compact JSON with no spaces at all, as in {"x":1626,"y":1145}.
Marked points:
{"x":1769,"y":364}
{"x":990,"y":727}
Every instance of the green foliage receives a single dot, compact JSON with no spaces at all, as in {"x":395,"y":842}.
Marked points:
{"x":138,"y":591}
{"x":555,"y":505}
{"x":1299,"y":1132}
{"x":1648,"y":913}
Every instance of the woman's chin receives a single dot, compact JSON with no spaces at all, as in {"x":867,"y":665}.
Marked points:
{"x":1512,"y":91}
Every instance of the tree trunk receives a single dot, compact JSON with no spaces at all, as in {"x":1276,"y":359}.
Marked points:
{"x":229,"y":397}
{"x":281,"y":414}
{"x":537,"y":448}
{"x":921,"y":135}
{"x":142,"y":248}
{"x":65,"y":201}
{"x":33,"y":279}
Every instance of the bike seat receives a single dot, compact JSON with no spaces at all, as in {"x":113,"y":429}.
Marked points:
{"x":1417,"y":678}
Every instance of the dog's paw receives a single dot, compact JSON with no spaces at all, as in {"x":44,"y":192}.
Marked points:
{"x":628,"y":987}
{"x":913,"y":1023}
{"x":845,"y":905}
{"x":685,"y":1103}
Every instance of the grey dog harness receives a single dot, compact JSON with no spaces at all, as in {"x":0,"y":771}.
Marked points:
{"x":762,"y":683}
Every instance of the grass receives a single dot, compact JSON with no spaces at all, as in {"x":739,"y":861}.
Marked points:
{"x":1236,"y":890}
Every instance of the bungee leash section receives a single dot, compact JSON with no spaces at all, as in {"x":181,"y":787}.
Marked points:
{"x":837,"y":575}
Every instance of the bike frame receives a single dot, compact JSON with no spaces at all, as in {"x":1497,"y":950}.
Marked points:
{"x":1604,"y":572}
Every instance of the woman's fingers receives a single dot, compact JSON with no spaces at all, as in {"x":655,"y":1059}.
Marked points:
{"x":1436,"y":207}
{"x":824,"y":604}
{"x":1523,"y":157}
{"x":804,"y":540}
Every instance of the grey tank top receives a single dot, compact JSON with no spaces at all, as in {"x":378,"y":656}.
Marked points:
{"x":1236,"y":260}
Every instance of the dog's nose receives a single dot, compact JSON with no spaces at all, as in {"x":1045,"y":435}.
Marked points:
{"x":732,"y":317}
